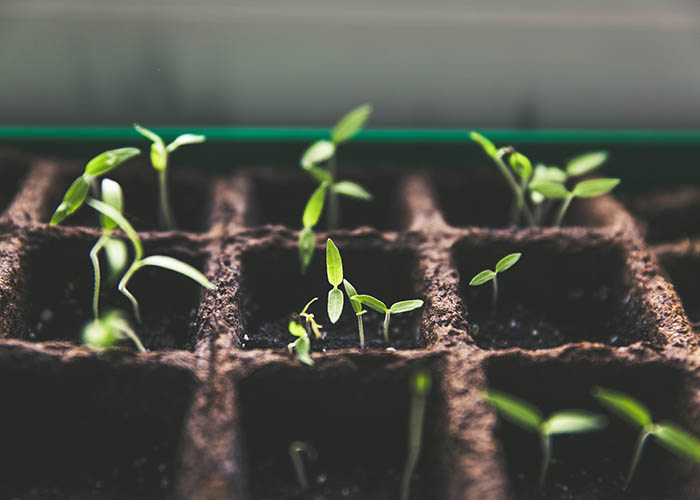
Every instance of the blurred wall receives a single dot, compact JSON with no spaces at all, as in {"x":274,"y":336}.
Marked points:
{"x":506,"y":63}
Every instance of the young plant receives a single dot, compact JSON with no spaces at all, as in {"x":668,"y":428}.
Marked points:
{"x":334,"y":270}
{"x":159,"y":159}
{"x":296,"y":449}
{"x":311,"y":325}
{"x":320,"y":152}
{"x":635,"y":413}
{"x":488,"y":275}
{"x":584,"y":189}
{"x":302,"y":345}
{"x":107,"y":331}
{"x":399,"y":307}
{"x":529,"y":418}
{"x":420,"y":388}
{"x":357,"y":307}
{"x":95,"y":168}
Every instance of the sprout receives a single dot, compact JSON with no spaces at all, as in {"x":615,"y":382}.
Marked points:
{"x":529,"y":418}
{"x":488,"y":275}
{"x":396,"y":308}
{"x":295,"y":451}
{"x":105,"y":332}
{"x":95,"y":168}
{"x":311,"y":325}
{"x":420,"y":388}
{"x":321,"y":152}
{"x":302,"y":345}
{"x":584,"y":189}
{"x":140,"y":261}
{"x":669,"y":434}
{"x":357,"y":307}
{"x":159,"y":160}
{"x":334,"y":270}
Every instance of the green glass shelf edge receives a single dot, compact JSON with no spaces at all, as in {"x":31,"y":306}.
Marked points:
{"x":385,"y":135}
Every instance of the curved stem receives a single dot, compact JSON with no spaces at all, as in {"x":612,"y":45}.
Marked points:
{"x":517,"y":192}
{"x":635,"y":458}
{"x":166,"y":216}
{"x":94,"y":258}
{"x":546,"y":456}
{"x":387,"y":315}
{"x":562,"y":210}
{"x":122,"y":288}
{"x":333,"y":201}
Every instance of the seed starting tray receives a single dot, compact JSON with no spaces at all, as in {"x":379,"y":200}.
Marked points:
{"x":210,"y":410}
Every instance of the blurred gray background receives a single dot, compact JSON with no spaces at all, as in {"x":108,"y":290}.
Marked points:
{"x":495,"y":63}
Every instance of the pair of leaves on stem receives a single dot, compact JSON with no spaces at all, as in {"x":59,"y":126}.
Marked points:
{"x":107,"y":331}
{"x":159,"y":151}
{"x":487,"y":274}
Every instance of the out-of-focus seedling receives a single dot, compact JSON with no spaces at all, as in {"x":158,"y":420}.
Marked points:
{"x":584,"y":189}
{"x":296,"y":449}
{"x":357,"y":307}
{"x":302,"y":345}
{"x":635,"y":413}
{"x":95,"y":168}
{"x":401,"y":306}
{"x":528,"y":417}
{"x":107,"y":331}
{"x":159,"y":159}
{"x":334,"y":270}
{"x":321,"y":152}
{"x":488,"y":275}
{"x":420,"y":384}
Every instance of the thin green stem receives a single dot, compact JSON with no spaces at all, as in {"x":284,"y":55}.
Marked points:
{"x":135,"y":266}
{"x":387,"y":315}
{"x":517,"y":192}
{"x":94,"y":258}
{"x":167,"y":219}
{"x":415,"y":435}
{"x":562,"y":210}
{"x":361,"y":330}
{"x":333,"y":200}
{"x":646,"y":432}
{"x":494,"y":297}
{"x":546,"y":441}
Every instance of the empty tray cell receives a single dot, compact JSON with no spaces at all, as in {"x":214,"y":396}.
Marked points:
{"x":356,"y":419}
{"x":190,"y":195}
{"x":668,"y":215}
{"x":59,"y":288}
{"x":273,"y":290}
{"x":13,"y":170}
{"x":594,"y":465}
{"x":561,"y":290}
{"x":90,"y":431}
{"x":479,"y":197}
{"x":683,"y":269}
{"x":279,"y":197}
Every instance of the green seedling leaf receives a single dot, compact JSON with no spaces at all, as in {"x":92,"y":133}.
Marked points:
{"x":123,"y":224}
{"x":586,"y":163}
{"x":159,"y":156}
{"x":307,"y":242}
{"x":112,"y":196}
{"x":521,"y":165}
{"x":72,"y":200}
{"x":594,"y":187}
{"x":405,"y":306}
{"x":302,"y":346}
{"x":371,"y":302}
{"x":352,"y":190}
{"x":185,"y":139}
{"x":351,"y":123}
{"x":117,"y":256}
{"x":551,"y":190}
{"x":483,"y":277}
{"x":318,"y":152}
{"x":178,"y":266}
{"x":148,"y":134}
{"x":421,"y":382}
{"x":314,"y":207}
{"x":488,"y":146}
{"x":573,"y":422}
{"x":625,"y":406}
{"x":296,"y":329}
{"x":335,"y":304}
{"x":549,"y":174}
{"x":516,"y":410}
{"x":507,"y":262}
{"x":351,"y":292}
{"x":334,"y":264}
{"x":104,"y":333}
{"x":678,"y":440}
{"x":321,"y":175}
{"x":104,"y":162}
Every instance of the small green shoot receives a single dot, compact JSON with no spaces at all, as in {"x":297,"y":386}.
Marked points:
{"x":635,"y":413}
{"x":401,"y":306}
{"x":528,"y":417}
{"x":334,"y":270}
{"x":159,"y":159}
{"x":295,"y":451}
{"x":106,"y":332}
{"x":488,"y":275}
{"x":302,"y":345}
{"x":420,"y":384}
{"x":320,"y":152}
{"x":357,"y":307}
{"x":584,"y":189}
{"x":311,"y":325}
{"x":95,"y":168}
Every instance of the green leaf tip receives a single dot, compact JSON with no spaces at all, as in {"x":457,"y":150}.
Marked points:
{"x":483,"y":277}
{"x":351,"y":292}
{"x":175,"y":265}
{"x":515,"y":410}
{"x":104,"y":162}
{"x":371,"y":302}
{"x":595,"y":187}
{"x":678,"y":440}
{"x":352,"y":189}
{"x":586,"y":163}
{"x":296,"y":329}
{"x":521,"y":165}
{"x":404,"y":306}
{"x":314,"y":207}
{"x":551,"y":190}
{"x":573,"y":422}
{"x":335,"y":304}
{"x":334,"y":264}
{"x":507,"y":262}
{"x":486,"y":144}
{"x":624,"y":405}
{"x":318,"y":152}
{"x":351,"y":123}
{"x":72,"y":200}
{"x":307,"y":242}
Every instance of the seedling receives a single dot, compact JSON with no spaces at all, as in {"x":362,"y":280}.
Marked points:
{"x":635,"y":413}
{"x":302,"y":345}
{"x":584,"y":189}
{"x":106,"y":332}
{"x":334,"y":270}
{"x":528,"y":417}
{"x":95,"y":168}
{"x":357,"y":307}
{"x":488,"y":275}
{"x":420,"y":388}
{"x":159,"y":159}
{"x":295,"y":451}
{"x":399,"y":307}
{"x":320,"y":152}
{"x":140,"y":261}
{"x":311,"y":325}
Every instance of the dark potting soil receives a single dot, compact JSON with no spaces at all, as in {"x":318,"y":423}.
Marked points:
{"x":12,"y":174}
{"x":668,"y":215}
